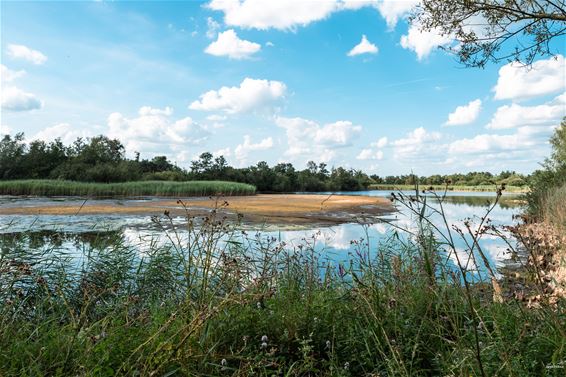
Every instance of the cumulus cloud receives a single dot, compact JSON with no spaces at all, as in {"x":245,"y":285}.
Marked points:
{"x":369,"y":154}
{"x":393,"y":10}
{"x":14,"y":99}
{"x":514,"y":115}
{"x":63,"y":131}
{"x":418,"y":144}
{"x":288,"y":15}
{"x":464,"y":114}
{"x":252,"y":94}
{"x":228,"y":44}
{"x":364,"y":47}
{"x":25,"y":53}
{"x":543,"y":77}
{"x":153,"y":130}
{"x":382,"y":142}
{"x":423,"y":42}
{"x":308,"y":139}
{"x":524,"y":139}
{"x":7,"y":75}
{"x":276,"y":14}
{"x":242,"y":150}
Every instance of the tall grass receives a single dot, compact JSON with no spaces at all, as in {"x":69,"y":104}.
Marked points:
{"x":141,"y":188}
{"x":554,"y":207}
{"x":212,"y":301}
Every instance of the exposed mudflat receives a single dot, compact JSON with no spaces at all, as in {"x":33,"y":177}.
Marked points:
{"x":264,"y":208}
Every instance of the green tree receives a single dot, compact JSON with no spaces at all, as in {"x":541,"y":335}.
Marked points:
{"x":12,"y":151}
{"x":552,"y":174}
{"x":495,"y":30}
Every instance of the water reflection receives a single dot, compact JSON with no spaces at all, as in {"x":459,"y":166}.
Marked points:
{"x":75,"y":234}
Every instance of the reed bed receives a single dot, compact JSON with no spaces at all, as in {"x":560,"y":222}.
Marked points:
{"x":211,"y":300}
{"x":126,"y":189}
{"x":554,"y":207}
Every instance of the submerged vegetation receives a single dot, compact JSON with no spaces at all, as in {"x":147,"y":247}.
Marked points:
{"x":44,"y":187}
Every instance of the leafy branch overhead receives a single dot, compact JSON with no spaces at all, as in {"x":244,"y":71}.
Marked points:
{"x":495,"y":30}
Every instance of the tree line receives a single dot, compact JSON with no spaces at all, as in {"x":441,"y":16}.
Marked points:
{"x":101,"y":159}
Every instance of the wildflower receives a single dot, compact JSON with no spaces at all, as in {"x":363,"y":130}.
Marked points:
{"x":264,"y":338}
{"x":328,"y":344}
{"x":223,"y":362}
{"x":346,"y":365}
{"x":264,"y":345}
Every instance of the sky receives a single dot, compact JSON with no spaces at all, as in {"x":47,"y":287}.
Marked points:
{"x":348,"y":83}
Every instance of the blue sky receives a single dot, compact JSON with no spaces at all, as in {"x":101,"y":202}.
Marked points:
{"x":343,"y":82}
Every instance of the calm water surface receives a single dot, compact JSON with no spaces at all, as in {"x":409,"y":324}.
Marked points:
{"x":74,"y":234}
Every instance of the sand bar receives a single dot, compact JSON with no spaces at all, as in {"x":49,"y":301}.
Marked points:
{"x":263,"y":208}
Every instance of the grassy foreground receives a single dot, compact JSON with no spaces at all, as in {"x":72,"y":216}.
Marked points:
{"x":140,"y":188}
{"x":216,"y":302}
{"x":440,"y":188}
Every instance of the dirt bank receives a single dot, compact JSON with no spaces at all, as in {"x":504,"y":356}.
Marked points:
{"x":271,"y":209}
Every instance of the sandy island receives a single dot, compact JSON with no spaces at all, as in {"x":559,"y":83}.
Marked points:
{"x":263,"y":208}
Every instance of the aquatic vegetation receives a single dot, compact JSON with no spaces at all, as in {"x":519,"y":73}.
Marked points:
{"x":125,"y":189}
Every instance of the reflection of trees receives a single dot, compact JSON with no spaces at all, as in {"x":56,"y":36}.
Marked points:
{"x":483,"y":201}
{"x":50,"y":239}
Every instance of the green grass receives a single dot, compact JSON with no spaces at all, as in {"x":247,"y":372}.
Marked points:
{"x":126,"y":189}
{"x":441,"y":188}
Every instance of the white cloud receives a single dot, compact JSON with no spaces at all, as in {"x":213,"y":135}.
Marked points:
{"x":364,"y":47}
{"x":524,"y":139}
{"x":148,"y":110}
{"x":216,"y":118}
{"x":252,"y":94}
{"x":369,"y":154}
{"x":63,"y":131}
{"x":5,"y":130}
{"x":418,"y":143}
{"x":423,"y":42}
{"x":242,"y":150}
{"x":382,"y":142}
{"x":543,"y":77}
{"x":308,"y":139}
{"x":7,"y":75}
{"x":226,"y":152}
{"x":14,"y":99}
{"x":26,"y":53}
{"x":277,"y":14}
{"x":513,"y":116}
{"x":211,"y":27}
{"x":336,"y":134}
{"x":228,"y":44}
{"x":393,"y":10}
{"x":464,"y":114}
{"x":153,"y":130}
{"x":290,"y":14}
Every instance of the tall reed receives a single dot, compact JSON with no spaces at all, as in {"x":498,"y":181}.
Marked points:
{"x":141,"y":188}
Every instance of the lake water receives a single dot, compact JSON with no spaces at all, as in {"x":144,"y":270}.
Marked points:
{"x":339,"y":244}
